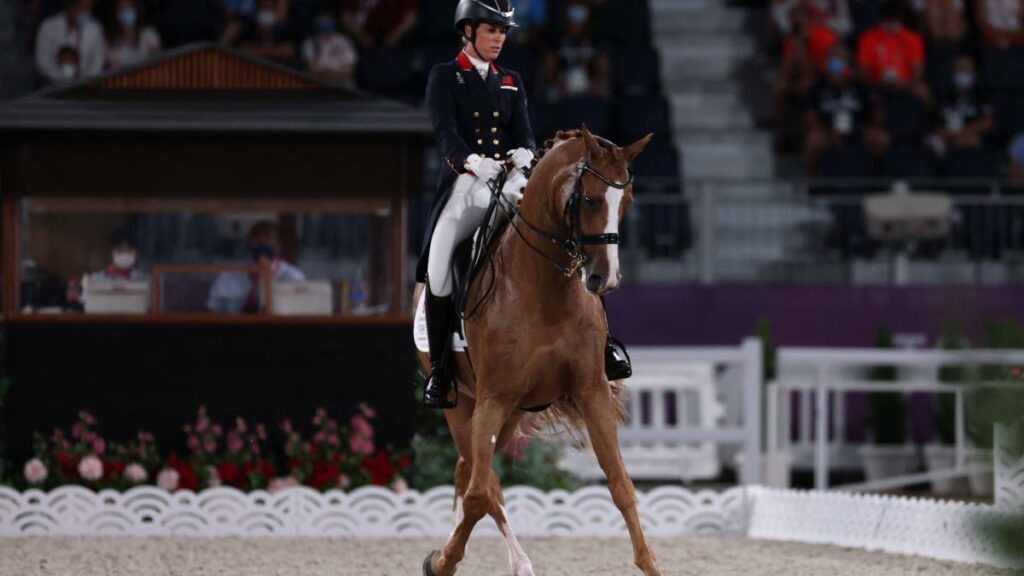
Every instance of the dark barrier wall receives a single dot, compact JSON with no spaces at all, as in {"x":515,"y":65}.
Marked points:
{"x":821,"y":316}
{"x":154,"y":377}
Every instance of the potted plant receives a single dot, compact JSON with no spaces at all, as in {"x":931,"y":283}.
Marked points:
{"x":987,"y":405}
{"x":775,"y":467}
{"x":888,"y":454}
{"x":941,"y":453}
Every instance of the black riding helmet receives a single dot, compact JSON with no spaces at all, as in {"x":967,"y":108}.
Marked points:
{"x":498,"y":12}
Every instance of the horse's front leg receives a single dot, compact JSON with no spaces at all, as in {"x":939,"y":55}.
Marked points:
{"x":600,"y":414}
{"x":488,"y":420}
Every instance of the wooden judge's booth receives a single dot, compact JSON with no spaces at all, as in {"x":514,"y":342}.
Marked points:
{"x":187,"y":150}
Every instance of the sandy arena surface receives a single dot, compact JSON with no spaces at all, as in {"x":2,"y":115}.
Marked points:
{"x":486,"y":557}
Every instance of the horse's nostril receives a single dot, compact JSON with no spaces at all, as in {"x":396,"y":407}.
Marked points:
{"x":594,"y":282}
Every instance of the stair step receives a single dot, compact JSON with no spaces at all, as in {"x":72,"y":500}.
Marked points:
{"x":704,"y":110}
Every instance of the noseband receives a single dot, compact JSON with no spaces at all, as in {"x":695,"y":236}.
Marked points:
{"x":573,"y":246}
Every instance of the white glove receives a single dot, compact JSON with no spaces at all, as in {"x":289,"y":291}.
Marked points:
{"x":521,"y":157}
{"x":514,"y":186}
{"x":483,"y":168}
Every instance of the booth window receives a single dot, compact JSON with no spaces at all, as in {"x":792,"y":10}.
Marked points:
{"x":205,"y":257}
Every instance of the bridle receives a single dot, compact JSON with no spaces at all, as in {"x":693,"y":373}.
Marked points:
{"x":574,"y":245}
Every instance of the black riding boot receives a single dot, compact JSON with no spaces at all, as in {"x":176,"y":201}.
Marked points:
{"x":616,"y":360}
{"x":440,"y":319}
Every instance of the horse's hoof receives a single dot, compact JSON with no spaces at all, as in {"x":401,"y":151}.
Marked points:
{"x":428,"y":564}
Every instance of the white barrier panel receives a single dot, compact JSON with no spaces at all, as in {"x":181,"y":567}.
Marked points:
{"x":930,"y":528}
{"x":369,"y":512}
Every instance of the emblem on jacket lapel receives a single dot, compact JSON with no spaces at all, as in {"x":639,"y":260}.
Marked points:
{"x":458,"y":76}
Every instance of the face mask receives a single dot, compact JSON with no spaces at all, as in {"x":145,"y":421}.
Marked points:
{"x":127,"y":17}
{"x":262,"y":250}
{"x":68,"y":71}
{"x":964,"y":81}
{"x":836,"y":67}
{"x":266,"y":18}
{"x":124,"y":260}
{"x":577,"y":14}
{"x":83,"y":18}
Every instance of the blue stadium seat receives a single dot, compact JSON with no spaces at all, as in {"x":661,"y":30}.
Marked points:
{"x":635,"y":69}
{"x":637,"y":116}
{"x":850,"y":162}
{"x":970,"y":163}
{"x":906,"y":117}
{"x":909,"y":160}
{"x":1005,"y":69}
{"x":572,"y":113}
{"x":620,"y":21}
{"x":659,"y":160}
{"x":1009,"y":113}
{"x":435,"y":20}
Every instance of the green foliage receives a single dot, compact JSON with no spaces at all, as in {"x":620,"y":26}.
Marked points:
{"x":887,"y":411}
{"x":1005,"y":535}
{"x":987,"y":405}
{"x":763,"y":330}
{"x":435,"y":459}
{"x":945,"y":404}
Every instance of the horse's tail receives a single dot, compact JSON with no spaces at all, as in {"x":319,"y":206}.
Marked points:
{"x":564,"y":419}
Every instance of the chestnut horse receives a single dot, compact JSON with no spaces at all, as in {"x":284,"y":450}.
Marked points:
{"x":537,"y":337}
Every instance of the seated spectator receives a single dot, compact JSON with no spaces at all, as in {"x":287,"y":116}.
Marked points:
{"x":131,"y":39}
{"x":75,"y":28}
{"x":241,"y":292}
{"x":944,"y":27}
{"x":965,"y":117}
{"x":330,"y":54}
{"x":1016,"y":152}
{"x":804,"y":52}
{"x":891,"y":57}
{"x":124,"y":252}
{"x":67,"y":65}
{"x":382,"y":30}
{"x":842,"y":114}
{"x":379,"y":22}
{"x":268,"y":36}
{"x":832,"y":14}
{"x":1001,"y":22}
{"x":531,"y":15}
{"x":577,"y":68}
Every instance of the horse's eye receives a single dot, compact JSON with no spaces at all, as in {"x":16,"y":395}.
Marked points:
{"x":590,"y":202}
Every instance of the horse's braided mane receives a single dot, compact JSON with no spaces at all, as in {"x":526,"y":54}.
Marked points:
{"x":560,"y":136}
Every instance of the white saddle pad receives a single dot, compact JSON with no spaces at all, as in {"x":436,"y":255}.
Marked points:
{"x":419,"y":330}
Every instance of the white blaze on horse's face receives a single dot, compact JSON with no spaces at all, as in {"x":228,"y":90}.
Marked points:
{"x":601,"y":275}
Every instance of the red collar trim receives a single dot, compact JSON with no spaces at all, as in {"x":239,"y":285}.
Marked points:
{"x":466,"y":64}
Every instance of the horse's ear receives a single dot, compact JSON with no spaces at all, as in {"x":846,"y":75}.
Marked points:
{"x":593,"y":148}
{"x":634,"y":149}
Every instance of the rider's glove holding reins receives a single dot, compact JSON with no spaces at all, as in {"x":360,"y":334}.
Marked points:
{"x":521,"y":157}
{"x":483,"y":168}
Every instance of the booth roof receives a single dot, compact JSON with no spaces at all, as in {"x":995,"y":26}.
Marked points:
{"x":209,"y":88}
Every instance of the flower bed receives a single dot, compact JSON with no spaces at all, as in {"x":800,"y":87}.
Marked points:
{"x":333,"y":456}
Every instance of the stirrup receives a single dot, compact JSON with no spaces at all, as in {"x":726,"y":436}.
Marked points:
{"x":616,"y":360}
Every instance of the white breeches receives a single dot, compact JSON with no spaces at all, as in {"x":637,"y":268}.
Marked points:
{"x":461,"y":216}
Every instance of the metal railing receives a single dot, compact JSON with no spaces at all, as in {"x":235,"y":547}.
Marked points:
{"x":808,"y":231}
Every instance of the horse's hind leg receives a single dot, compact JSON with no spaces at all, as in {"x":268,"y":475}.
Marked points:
{"x":488,"y":421}
{"x":599,"y":413}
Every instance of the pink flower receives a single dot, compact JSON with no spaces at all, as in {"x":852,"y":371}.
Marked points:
{"x":278,"y":484}
{"x":89,"y":419}
{"x":261,"y":431}
{"x":145,"y":437}
{"x":360,"y":446}
{"x":399,"y":485}
{"x":210,"y":445}
{"x":35,"y":471}
{"x":334,"y":440}
{"x":217,"y":430}
{"x":344,"y":482}
{"x":90,"y":468}
{"x":286,"y":426}
{"x":367,"y":411}
{"x":193,"y":442}
{"x":76,"y":431}
{"x":235,"y":442}
{"x":361,"y":427}
{"x":213,"y":475}
{"x":318,"y":438}
{"x":135,"y":473}
{"x":168,"y":479}
{"x":99,"y":446}
{"x":202,"y":423}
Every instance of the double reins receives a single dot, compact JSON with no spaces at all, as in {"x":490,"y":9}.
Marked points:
{"x":574,"y":245}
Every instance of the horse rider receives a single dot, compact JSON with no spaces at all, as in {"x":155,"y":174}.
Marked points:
{"x":480,"y":120}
